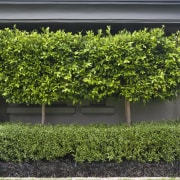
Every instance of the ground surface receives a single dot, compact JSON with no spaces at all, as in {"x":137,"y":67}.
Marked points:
{"x":69,"y":168}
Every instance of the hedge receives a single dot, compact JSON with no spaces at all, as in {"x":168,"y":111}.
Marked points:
{"x":145,"y":142}
{"x":46,"y":67}
{"x":36,"y":68}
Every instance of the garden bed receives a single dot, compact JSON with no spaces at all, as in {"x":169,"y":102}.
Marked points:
{"x":69,"y":168}
{"x":142,"y":150}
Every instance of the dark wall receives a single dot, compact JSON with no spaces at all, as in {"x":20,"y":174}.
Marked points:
{"x":83,"y":27}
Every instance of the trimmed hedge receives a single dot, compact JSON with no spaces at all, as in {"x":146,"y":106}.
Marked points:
{"x":45,"y":67}
{"x":145,"y":142}
{"x":37,"y":68}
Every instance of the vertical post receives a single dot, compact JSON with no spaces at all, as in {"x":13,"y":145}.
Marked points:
{"x":128,"y":112}
{"x":43,"y":114}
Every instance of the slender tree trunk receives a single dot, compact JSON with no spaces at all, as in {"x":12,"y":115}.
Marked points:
{"x":43,"y":114}
{"x":128,"y":112}
{"x":177,"y":39}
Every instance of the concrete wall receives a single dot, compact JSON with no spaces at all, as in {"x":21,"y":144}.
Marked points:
{"x":112,"y":112}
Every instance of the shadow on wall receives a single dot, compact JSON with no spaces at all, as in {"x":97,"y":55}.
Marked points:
{"x":3,"y":110}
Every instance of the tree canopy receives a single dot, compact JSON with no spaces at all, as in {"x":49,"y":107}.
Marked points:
{"x":44,"y":67}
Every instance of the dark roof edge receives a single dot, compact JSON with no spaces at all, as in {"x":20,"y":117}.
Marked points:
{"x":90,"y":13}
{"x":89,"y":2}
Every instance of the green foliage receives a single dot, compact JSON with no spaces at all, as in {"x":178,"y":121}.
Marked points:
{"x":37,"y":68}
{"x":145,"y":142}
{"x":98,"y":73}
{"x":141,"y":65}
{"x":25,"y":142}
{"x":40,"y":68}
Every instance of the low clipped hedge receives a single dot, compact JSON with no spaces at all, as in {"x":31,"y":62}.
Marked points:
{"x":144,"y":142}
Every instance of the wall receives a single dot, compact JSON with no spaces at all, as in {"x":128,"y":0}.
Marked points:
{"x":112,"y":112}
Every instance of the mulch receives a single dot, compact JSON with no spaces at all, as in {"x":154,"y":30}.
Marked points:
{"x":70,"y":168}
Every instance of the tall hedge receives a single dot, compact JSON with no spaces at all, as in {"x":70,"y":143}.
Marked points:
{"x":148,"y":66}
{"x":37,"y":68}
{"x":138,"y":66}
{"x":44,"y":67}
{"x":98,"y":77}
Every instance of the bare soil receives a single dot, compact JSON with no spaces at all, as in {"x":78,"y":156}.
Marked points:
{"x":70,"y":168}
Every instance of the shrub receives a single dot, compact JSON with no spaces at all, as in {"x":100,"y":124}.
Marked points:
{"x":145,"y":142}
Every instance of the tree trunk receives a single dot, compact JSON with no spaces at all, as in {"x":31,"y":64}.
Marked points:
{"x":177,"y":39}
{"x":43,"y":114}
{"x":128,"y":112}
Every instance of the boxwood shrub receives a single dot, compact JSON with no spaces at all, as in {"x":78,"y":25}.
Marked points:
{"x":144,"y":142}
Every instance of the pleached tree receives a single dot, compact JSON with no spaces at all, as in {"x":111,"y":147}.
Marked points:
{"x":46,"y":67}
{"x":35,"y":67}
{"x":149,"y":66}
{"x":136,"y":66}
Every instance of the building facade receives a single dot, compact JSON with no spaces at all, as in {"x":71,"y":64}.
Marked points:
{"x":82,"y":15}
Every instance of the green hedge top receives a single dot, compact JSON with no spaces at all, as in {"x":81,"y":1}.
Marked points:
{"x":145,"y":142}
{"x":36,"y":68}
{"x":41,"y":68}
